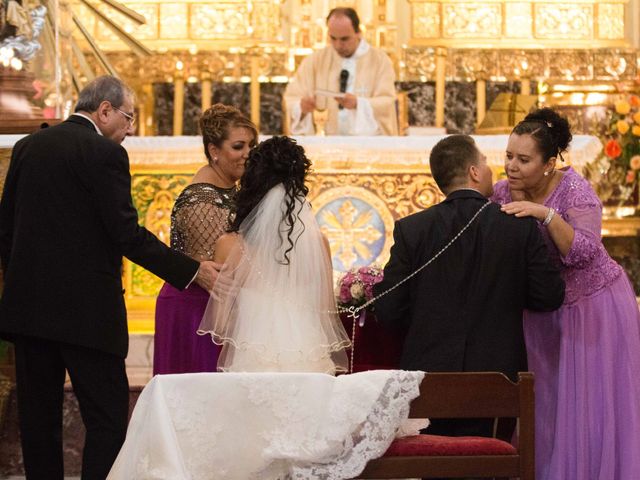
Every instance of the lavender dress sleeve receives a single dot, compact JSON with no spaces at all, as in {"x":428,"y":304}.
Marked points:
{"x":583,"y":211}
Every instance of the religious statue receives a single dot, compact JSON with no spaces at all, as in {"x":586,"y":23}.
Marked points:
{"x":19,"y":31}
{"x":20,"y":28}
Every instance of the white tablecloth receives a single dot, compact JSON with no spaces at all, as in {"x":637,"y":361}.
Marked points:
{"x":337,"y":151}
{"x":263,"y":425}
{"x":352,"y":152}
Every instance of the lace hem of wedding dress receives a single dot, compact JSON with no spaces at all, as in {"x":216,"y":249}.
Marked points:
{"x":372,"y":439}
{"x":267,"y":426}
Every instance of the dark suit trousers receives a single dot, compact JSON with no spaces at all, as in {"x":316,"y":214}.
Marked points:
{"x":100,"y":384}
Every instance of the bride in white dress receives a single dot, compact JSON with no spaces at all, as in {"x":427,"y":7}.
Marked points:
{"x":273,"y":310}
{"x":272,"y":307}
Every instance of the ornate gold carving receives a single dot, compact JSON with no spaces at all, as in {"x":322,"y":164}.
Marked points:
{"x":472,"y":20}
{"x":522,"y":64}
{"x":217,"y":39}
{"x":153,"y":196}
{"x":220,"y":20}
{"x":158,"y":217}
{"x":571,"y":65}
{"x":564,"y":21}
{"x":589,"y":23}
{"x":403,"y":193}
{"x":426,"y":20}
{"x":420,"y":63}
{"x":550,"y":65}
{"x":617,"y":64}
{"x":611,"y":20}
{"x":520,"y":22}
{"x":173,"y":20}
{"x":267,"y":24}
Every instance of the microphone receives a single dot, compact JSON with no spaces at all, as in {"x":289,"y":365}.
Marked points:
{"x":344,"y":76}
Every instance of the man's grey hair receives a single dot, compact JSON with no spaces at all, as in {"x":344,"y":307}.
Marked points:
{"x":106,"y":87}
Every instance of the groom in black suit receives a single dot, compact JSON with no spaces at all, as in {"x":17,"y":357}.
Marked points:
{"x":463,"y":312}
{"x":66,"y":221}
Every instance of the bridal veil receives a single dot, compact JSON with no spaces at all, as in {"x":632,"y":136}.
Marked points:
{"x":273,"y":307}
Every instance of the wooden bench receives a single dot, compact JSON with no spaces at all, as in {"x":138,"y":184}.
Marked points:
{"x":465,"y":395}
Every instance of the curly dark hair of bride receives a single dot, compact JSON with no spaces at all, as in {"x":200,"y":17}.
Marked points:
{"x":276,"y":160}
{"x":549,"y":129}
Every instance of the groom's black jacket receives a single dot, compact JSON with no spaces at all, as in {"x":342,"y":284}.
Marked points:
{"x":464,"y":311}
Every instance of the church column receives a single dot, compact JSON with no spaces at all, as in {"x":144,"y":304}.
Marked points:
{"x":481,"y":100}
{"x":441,"y":65}
{"x":525,"y":86}
{"x":146,"y":126}
{"x":255,"y":91}
{"x":206,"y":90}
{"x":178,"y":101}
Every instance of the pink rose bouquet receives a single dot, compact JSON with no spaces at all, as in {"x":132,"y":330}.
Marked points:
{"x":355,"y":287}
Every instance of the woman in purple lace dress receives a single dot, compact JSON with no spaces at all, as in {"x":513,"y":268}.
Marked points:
{"x":585,"y":355}
{"x":200,"y":215}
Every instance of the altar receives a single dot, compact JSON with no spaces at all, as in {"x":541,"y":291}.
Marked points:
{"x":358,"y":188}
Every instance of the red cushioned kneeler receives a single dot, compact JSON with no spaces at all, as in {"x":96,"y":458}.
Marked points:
{"x":436,"y":445}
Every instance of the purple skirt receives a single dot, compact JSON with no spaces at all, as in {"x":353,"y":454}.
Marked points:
{"x":586,"y":361}
{"x":177,"y":346}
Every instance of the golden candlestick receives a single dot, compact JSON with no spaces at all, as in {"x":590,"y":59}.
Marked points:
{"x":178,"y":101}
{"x":441,"y":58}
{"x":206,"y":90}
{"x":255,"y":91}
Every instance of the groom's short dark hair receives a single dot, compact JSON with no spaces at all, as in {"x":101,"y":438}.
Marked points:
{"x":450,"y":160}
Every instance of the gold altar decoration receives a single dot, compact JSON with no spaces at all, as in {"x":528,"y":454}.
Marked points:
{"x":507,"y":110}
{"x":154,"y":192}
{"x":355,"y":206}
{"x":525,"y":23}
{"x":258,"y":41}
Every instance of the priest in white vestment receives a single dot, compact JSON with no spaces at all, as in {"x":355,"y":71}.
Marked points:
{"x":365,"y":74}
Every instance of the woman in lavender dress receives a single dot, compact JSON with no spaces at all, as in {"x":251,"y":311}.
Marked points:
{"x":585,"y":355}
{"x":199,"y":217}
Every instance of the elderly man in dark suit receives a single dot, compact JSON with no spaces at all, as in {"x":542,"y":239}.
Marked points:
{"x":463,"y":312}
{"x":66,"y":221}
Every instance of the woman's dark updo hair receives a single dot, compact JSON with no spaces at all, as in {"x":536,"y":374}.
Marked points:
{"x":274,"y":161}
{"x":550,"y":131}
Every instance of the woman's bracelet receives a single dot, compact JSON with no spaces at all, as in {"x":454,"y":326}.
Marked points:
{"x":550,"y":214}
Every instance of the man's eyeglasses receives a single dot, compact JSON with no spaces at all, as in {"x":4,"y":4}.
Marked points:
{"x":131,"y":118}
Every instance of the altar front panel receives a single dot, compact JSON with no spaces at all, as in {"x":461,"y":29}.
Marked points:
{"x":359,"y":186}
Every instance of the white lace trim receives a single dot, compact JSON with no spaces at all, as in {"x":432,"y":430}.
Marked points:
{"x":375,"y":435}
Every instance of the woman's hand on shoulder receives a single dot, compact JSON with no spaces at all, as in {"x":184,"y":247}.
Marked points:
{"x":526,"y":209}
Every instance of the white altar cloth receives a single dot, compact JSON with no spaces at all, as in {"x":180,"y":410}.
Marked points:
{"x":349,"y":151}
{"x":339,"y":152}
{"x":264,"y":426}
